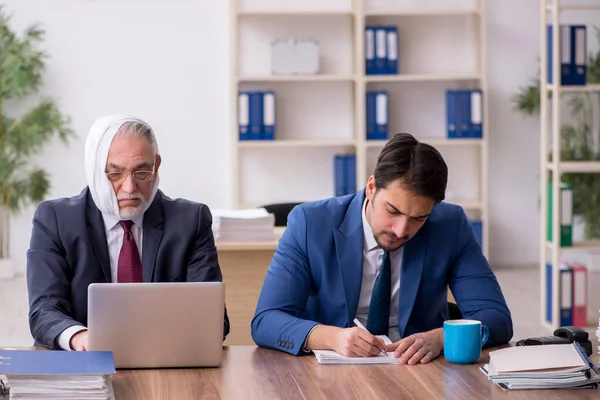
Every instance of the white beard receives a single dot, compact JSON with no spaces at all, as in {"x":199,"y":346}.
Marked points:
{"x":132,"y":212}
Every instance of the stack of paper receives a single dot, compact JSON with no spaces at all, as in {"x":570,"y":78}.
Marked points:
{"x":542,"y":367}
{"x":247,"y":225}
{"x":39,"y":374}
{"x":331,"y":357}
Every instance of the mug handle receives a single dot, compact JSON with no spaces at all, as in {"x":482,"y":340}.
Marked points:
{"x":486,"y":334}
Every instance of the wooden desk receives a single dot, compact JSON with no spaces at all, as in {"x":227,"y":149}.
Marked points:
{"x":249,"y":372}
{"x":244,"y":266}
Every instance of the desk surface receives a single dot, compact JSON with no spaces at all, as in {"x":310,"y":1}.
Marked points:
{"x":249,"y":372}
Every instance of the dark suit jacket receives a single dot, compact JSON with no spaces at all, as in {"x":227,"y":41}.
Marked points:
{"x":69,"y":251}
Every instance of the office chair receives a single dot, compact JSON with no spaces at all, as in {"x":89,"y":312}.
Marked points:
{"x":280,"y":211}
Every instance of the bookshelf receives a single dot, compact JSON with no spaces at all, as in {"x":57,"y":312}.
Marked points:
{"x":552,"y":252}
{"x":442,"y":46}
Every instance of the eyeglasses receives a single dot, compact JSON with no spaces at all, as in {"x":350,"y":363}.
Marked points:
{"x":139,"y":176}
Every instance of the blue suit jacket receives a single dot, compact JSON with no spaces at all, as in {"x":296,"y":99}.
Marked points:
{"x":316,"y":273}
{"x":68,"y":251}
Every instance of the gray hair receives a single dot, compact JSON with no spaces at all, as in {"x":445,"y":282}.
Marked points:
{"x":138,"y":128}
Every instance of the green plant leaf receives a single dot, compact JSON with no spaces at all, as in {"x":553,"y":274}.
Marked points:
{"x":527,"y":100}
{"x":22,"y":64}
{"x":28,"y":134}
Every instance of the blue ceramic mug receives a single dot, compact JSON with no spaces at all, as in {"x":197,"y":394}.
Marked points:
{"x":463,"y":340}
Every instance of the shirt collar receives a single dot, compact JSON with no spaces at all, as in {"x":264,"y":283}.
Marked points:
{"x":110,"y":221}
{"x":369,"y":242}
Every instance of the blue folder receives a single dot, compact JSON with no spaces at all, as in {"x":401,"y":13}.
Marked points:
{"x":565,"y":56}
{"x":350,"y":174}
{"x":578,"y":54}
{"x":256,"y":116}
{"x":339,"y":172}
{"x":40,"y":362}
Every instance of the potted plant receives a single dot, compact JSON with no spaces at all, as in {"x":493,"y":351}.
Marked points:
{"x":579,"y":141}
{"x":22,"y":66}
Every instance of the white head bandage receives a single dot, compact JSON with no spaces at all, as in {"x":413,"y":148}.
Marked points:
{"x":97,"y":146}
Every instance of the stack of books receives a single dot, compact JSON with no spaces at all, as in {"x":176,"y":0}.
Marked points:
{"x":553,"y":366}
{"x":246,"y":225}
{"x":39,"y":374}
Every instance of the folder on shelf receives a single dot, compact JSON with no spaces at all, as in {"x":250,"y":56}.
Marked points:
{"x":565,"y":214}
{"x":565,"y":294}
{"x":380,"y":50}
{"x":244,"y":115}
{"x":381,"y":115}
{"x":268,"y":115}
{"x":451,"y":104}
{"x":371,"y":107}
{"x":370,"y":50}
{"x":350,"y":174}
{"x":475,"y":114}
{"x":565,"y":54}
{"x":566,"y":297}
{"x":580,"y":295}
{"x":464,"y":119}
{"x":339,"y":173}
{"x":392,"y":50}
{"x":578,"y":54}
{"x":256,"y":115}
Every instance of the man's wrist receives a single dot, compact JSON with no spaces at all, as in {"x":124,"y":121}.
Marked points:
{"x":304,"y":346}
{"x":65,"y":337}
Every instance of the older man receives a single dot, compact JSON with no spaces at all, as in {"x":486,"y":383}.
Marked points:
{"x":120,"y":228}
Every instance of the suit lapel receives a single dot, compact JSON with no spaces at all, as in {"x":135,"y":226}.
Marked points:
{"x":153,"y":230}
{"x":413,"y":258}
{"x":97,"y":235}
{"x":349,"y":244}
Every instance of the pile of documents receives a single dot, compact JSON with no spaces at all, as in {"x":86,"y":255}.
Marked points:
{"x":40,"y":374}
{"x":247,"y":225}
{"x":331,"y":357}
{"x":553,"y":366}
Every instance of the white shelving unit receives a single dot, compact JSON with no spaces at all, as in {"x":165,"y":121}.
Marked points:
{"x":550,"y":123}
{"x":442,"y":45}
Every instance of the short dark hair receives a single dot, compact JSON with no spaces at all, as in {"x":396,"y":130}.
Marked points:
{"x":419,"y":165}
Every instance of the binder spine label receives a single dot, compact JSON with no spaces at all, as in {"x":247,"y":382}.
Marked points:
{"x":369,"y":51}
{"x":392,"y":51}
{"x":381,"y":115}
{"x":269,"y":115}
{"x":243,"y":116}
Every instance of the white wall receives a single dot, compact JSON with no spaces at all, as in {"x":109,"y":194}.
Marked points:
{"x":169,"y":65}
{"x":166,"y":62}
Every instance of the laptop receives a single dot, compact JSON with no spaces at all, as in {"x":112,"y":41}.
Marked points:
{"x":158,"y":325}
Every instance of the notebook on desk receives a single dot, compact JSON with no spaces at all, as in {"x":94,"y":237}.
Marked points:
{"x":331,"y":357}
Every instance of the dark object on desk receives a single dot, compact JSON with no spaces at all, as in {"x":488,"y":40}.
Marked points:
{"x":280,"y":211}
{"x":563,"y":335}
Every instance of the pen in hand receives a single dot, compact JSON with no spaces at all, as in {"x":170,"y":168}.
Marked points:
{"x":361,"y":326}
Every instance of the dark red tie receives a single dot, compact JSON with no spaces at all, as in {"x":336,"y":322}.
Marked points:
{"x":130,"y":265}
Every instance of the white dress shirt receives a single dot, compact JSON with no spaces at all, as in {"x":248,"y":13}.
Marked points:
{"x":372,"y":259}
{"x":114,"y":237}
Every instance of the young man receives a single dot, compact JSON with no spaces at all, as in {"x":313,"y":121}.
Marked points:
{"x":120,"y":228}
{"x":386,"y":256}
